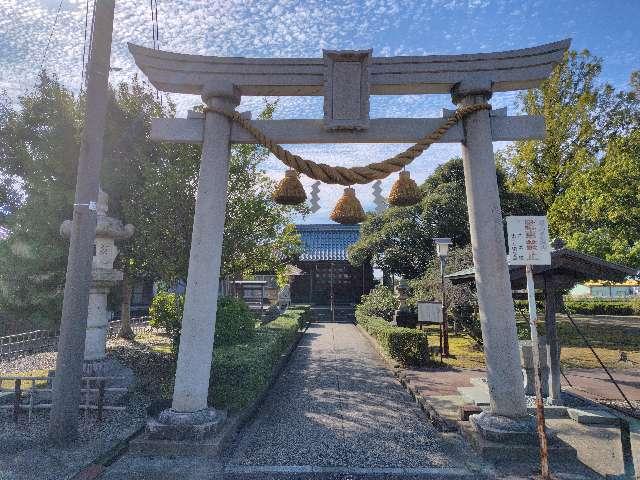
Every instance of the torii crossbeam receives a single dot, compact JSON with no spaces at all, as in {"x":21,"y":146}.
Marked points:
{"x":346,"y":79}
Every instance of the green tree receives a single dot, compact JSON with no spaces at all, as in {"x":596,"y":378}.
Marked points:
{"x":582,"y":115}
{"x":600,"y":212}
{"x":400,"y":240}
{"x":39,"y":142}
{"x":151,"y":185}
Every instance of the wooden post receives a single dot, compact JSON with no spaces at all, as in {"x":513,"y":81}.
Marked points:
{"x":100,"y":398}
{"x":533,"y":318}
{"x":17,"y":399}
{"x":66,"y":395}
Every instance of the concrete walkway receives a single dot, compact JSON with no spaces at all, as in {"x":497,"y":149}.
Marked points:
{"x":335,"y":412}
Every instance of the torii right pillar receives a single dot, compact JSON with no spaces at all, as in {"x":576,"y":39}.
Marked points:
{"x":508,"y":410}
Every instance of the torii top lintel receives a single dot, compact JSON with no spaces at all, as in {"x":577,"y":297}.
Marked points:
{"x":508,"y":70}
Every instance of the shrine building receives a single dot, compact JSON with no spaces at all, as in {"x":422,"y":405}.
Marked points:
{"x":325,"y":268}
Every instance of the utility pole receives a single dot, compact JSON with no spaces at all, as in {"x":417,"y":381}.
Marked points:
{"x":63,"y":426}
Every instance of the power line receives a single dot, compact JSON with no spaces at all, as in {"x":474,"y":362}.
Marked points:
{"x":84,"y":44}
{"x":51,"y":32}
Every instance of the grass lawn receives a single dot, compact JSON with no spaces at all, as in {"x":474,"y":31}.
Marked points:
{"x":607,"y":337}
{"x":10,"y":384}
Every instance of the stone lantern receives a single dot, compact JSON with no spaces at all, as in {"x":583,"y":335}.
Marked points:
{"x":403,"y":316}
{"x":103,"y":277}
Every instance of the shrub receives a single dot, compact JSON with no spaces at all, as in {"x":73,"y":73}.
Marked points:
{"x":166,"y":312}
{"x":379,"y":302}
{"x":234,"y":320}
{"x":241,"y":372}
{"x":603,"y":307}
{"x":407,"y":345}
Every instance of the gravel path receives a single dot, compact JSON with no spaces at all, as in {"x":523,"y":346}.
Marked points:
{"x":37,"y":361}
{"x":27,"y":454}
{"x":336,"y":405}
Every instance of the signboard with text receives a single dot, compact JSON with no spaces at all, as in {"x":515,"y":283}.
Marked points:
{"x":528,"y":239}
{"x":429,"y":312}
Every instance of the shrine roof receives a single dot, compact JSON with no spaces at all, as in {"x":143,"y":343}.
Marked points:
{"x":322,"y":242}
{"x":567,"y":268}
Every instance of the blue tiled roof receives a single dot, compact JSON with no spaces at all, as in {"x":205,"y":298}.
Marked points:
{"x":326,"y":241}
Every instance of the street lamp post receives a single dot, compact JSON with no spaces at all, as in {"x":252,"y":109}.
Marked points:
{"x":442,"y":249}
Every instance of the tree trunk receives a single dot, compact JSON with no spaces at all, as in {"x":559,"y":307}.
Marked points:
{"x":125,"y":310}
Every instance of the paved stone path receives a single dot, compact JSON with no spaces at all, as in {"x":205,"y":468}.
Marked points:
{"x":336,"y":411}
{"x":337,"y":405}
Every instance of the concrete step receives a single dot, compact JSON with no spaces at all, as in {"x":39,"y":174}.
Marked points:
{"x":309,"y":472}
{"x":342,"y":314}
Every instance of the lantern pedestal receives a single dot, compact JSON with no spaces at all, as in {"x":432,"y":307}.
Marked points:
{"x":405,"y":318}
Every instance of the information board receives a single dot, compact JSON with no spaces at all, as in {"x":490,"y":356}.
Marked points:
{"x":528,"y":239}
{"x":429,"y":312}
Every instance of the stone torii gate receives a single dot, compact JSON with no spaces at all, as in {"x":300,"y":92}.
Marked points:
{"x":346,"y":79}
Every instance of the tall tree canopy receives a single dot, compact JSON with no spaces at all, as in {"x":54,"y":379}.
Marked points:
{"x":600,"y":212}
{"x":151,"y":185}
{"x":400,"y":240}
{"x":581,"y":116}
{"x":583,"y":171}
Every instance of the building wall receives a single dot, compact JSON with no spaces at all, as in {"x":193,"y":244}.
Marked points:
{"x":314,"y":286}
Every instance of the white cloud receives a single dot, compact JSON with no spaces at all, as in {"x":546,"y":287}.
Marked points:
{"x":289,"y":28}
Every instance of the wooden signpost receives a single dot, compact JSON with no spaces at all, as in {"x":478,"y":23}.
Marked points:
{"x":528,"y":239}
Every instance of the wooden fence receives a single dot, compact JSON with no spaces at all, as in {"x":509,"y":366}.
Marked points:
{"x":93,"y":395}
{"x":28,"y":343}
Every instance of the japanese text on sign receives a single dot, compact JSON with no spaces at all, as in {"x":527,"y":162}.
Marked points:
{"x":528,"y":239}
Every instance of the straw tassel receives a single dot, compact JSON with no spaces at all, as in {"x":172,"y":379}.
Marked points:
{"x":404,"y":192}
{"x":289,"y":190}
{"x":348,"y":210}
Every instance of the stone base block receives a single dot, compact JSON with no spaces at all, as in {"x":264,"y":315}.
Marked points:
{"x":559,"y":451}
{"x":551,"y":411}
{"x":593,"y":417}
{"x":496,"y":428}
{"x":465,"y":411}
{"x":208,"y":447}
{"x":172,"y":425}
{"x":121,"y":377}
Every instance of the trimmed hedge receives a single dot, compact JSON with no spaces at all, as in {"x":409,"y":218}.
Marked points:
{"x":241,"y":372}
{"x":603,"y":307}
{"x":406,"y":345}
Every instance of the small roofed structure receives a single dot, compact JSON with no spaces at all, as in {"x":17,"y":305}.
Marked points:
{"x":568,"y":267}
{"x":326,"y":276}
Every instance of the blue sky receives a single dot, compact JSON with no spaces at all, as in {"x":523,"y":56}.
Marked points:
{"x":291,"y":28}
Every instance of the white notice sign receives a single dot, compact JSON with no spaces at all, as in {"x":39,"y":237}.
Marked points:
{"x":528,"y":239}
{"x":429,"y":312}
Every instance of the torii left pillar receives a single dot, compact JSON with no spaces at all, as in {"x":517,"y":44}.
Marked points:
{"x":190,"y":416}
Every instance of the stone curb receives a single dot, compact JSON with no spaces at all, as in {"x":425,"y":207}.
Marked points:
{"x":94,"y":469}
{"x":440,"y":423}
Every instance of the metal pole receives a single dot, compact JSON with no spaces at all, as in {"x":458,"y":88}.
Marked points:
{"x":445,"y":326}
{"x":533,"y":317}
{"x":63,"y":424}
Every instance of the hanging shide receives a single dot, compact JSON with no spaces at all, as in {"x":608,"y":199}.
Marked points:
{"x":348,"y":210}
{"x":289,"y":190}
{"x":404,"y":192}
